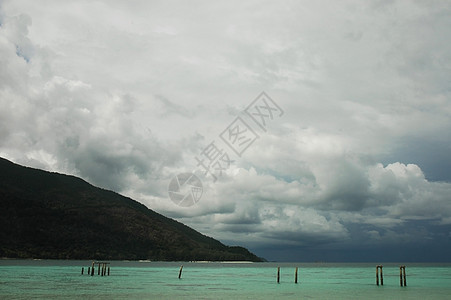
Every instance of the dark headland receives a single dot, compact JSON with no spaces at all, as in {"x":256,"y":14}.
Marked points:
{"x":55,"y":216}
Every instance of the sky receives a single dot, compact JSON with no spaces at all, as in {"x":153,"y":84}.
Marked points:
{"x":353,"y":162}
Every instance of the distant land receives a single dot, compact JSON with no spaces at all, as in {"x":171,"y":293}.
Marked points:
{"x":55,"y":216}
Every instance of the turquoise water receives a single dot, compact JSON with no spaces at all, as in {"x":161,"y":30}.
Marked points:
{"x":46,"y":279}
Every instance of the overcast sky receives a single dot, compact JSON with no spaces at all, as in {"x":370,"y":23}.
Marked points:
{"x":127,"y":94}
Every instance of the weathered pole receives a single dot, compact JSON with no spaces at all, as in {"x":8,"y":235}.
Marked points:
{"x":400,"y":276}
{"x":377,"y":275}
{"x":278,"y":274}
{"x":180,"y":271}
{"x":296,"y":275}
{"x":404,"y":275}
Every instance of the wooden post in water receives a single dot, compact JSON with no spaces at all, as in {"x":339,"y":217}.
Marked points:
{"x":278,"y":274}
{"x":103,"y":268}
{"x":180,"y":271}
{"x":402,"y":276}
{"x":296,"y":275}
{"x":377,"y":275}
{"x":82,"y":270}
{"x":405,"y":283}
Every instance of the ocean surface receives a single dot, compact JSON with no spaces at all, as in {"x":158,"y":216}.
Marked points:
{"x":56,"y":279}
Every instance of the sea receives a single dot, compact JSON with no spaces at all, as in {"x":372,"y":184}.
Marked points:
{"x":63,"y":279}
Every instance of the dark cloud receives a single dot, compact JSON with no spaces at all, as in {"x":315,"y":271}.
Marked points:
{"x":431,"y":154}
{"x":358,"y":165}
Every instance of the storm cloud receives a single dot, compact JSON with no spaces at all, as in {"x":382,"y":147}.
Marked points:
{"x":127,"y":95}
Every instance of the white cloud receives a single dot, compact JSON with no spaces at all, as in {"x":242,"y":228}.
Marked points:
{"x":127,"y":95}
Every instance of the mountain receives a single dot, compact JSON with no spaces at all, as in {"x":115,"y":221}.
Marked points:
{"x":56,"y":216}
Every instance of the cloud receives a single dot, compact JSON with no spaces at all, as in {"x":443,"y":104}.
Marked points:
{"x":172,"y":108}
{"x":126,"y":96}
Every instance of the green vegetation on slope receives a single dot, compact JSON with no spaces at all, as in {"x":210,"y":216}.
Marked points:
{"x":51,"y":215}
